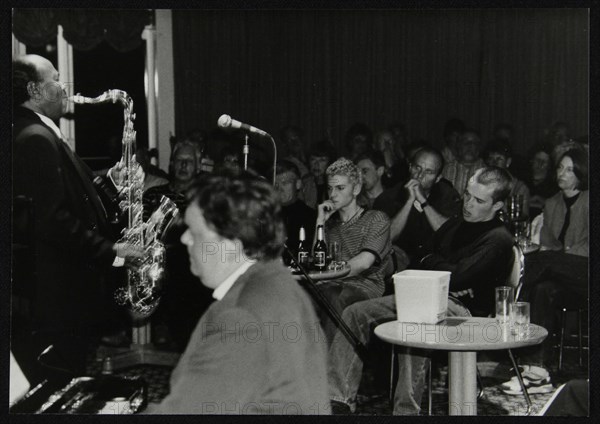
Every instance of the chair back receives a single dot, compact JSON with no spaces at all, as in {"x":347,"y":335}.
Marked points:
{"x":396,"y":261}
{"x":516,"y":273}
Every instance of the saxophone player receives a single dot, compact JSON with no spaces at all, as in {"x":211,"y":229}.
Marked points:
{"x":72,"y":239}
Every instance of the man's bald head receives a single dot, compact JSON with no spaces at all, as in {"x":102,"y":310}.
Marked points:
{"x":36,"y":86}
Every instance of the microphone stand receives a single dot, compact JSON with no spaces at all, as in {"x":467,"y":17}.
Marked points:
{"x":360,"y":348}
{"x":274,"y":158}
{"x":245,"y":152}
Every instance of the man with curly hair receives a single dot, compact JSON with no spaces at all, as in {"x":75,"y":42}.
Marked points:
{"x":364,"y":237}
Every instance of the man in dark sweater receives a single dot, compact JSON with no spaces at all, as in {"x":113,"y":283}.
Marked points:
{"x":295,"y":212}
{"x":477,"y":249}
{"x":421,"y":205}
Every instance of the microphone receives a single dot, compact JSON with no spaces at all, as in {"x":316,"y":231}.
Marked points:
{"x":226,"y":121}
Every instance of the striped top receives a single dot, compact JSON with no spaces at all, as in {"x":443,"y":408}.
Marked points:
{"x":369,"y":231}
{"x":459,"y":174}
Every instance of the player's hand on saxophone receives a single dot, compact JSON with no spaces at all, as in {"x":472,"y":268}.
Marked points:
{"x":131,"y":254}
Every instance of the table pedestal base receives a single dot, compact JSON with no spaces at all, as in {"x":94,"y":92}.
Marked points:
{"x":462,"y":380}
{"x":140,"y":352}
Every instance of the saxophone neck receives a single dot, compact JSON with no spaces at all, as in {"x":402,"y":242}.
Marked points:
{"x":108,"y":96}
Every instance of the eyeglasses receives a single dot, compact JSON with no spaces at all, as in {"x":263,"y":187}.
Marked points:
{"x":420,"y":170}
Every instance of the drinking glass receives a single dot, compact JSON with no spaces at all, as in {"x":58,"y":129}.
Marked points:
{"x":519,"y":317}
{"x":335,"y":254}
{"x":524,"y":234}
{"x":504,"y":298}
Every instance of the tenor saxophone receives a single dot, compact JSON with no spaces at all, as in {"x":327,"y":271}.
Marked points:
{"x":145,"y":284}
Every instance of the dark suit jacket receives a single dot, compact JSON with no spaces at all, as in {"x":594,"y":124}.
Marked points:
{"x":254,"y":351}
{"x":71,"y":231}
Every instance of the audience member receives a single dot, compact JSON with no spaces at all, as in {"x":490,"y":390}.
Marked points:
{"x":230,"y":160}
{"x":505,"y":132}
{"x":240,"y":359}
{"x":184,"y":300}
{"x":322,"y":153}
{"x":540,"y":180}
{"x":393,"y":154}
{"x":292,"y":141}
{"x":358,"y":140}
{"x":499,"y":153}
{"x":183,"y":168}
{"x":413,"y":147}
{"x":400,"y":138}
{"x":153,"y":175}
{"x":519,"y":164}
{"x":559,"y":273}
{"x":453,"y":128}
{"x":200,"y":138}
{"x":467,"y":161}
{"x":558,"y":133}
{"x":420,"y":206}
{"x":477,"y":249}
{"x":364,"y":238}
{"x":372,"y":167}
{"x":295,"y":212}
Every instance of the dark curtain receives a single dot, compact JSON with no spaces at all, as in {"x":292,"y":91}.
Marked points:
{"x":324,"y":70}
{"x":83,"y":28}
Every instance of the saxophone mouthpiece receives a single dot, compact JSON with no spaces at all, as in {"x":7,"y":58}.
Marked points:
{"x":77,"y":99}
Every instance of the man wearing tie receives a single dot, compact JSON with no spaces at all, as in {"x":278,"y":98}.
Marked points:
{"x":72,"y":242}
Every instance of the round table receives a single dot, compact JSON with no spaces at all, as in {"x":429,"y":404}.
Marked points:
{"x":324,"y":275}
{"x":530,"y":248}
{"x":462,"y":337}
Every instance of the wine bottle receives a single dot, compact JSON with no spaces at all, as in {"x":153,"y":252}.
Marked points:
{"x":302,"y":250}
{"x":320,"y":251}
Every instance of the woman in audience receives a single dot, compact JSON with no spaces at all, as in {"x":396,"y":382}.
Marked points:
{"x":540,"y":180}
{"x":559,"y":273}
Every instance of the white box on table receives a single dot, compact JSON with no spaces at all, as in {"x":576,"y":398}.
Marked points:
{"x":421,"y":296}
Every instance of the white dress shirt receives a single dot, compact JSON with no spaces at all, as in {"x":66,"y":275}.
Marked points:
{"x":222,"y":289}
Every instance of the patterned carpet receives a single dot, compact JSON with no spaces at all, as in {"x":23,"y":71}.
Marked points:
{"x":373,"y":393}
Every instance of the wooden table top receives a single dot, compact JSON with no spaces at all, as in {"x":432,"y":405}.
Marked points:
{"x":459,"y":334}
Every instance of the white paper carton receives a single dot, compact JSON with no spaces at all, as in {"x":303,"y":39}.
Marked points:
{"x":421,"y":296}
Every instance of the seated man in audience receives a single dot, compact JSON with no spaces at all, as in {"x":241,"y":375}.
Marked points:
{"x":294,"y":211}
{"x":499,"y":153}
{"x":183,"y":168}
{"x":476,"y":249}
{"x":392,"y":149}
{"x":241,"y":358}
{"x":358,"y":140}
{"x":453,"y":128}
{"x":372,"y":166}
{"x":420,"y":206}
{"x":292,"y":143}
{"x":184,"y":299}
{"x":322,"y":153}
{"x":467,"y":161}
{"x":364,"y":237}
